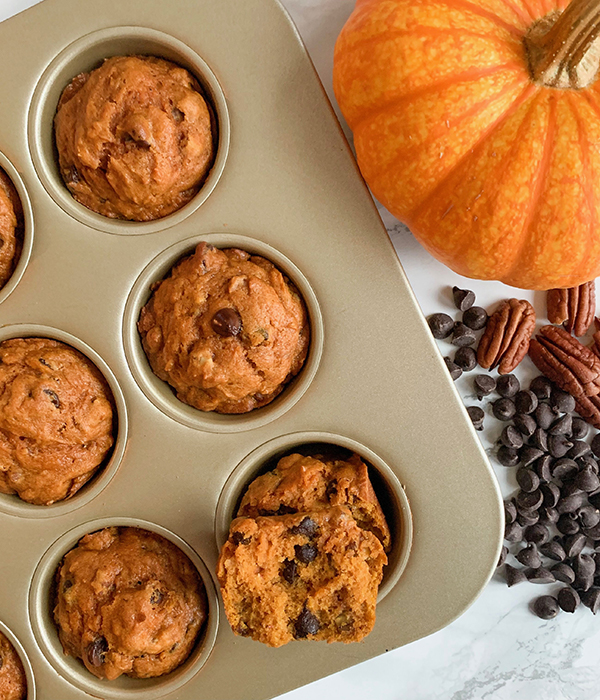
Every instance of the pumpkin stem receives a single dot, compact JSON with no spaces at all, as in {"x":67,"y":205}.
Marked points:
{"x":563,"y":48}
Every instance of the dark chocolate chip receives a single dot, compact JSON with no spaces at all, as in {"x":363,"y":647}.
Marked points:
{"x":454,"y":370}
{"x":574,"y":544}
{"x":591,"y":599}
{"x":463,"y":298}
{"x":513,"y":576}
{"x":306,"y":553}
{"x":526,"y":401}
{"x":462,"y":335}
{"x":510,"y":512}
{"x":528,"y":517}
{"x":529,"y":454}
{"x":595,"y":445}
{"x":306,"y":527}
{"x":477,"y":416}
{"x":553,"y":550}
{"x":548,"y":515}
{"x":564,"y":468}
{"x":588,"y":461}
{"x":466,"y":359}
{"x":584,"y":566}
{"x":580,"y":428}
{"x":541,"y":387}
{"x":306,"y":624}
{"x":551,"y":494}
{"x":540,"y":575}
{"x":545,"y":607}
{"x":227,"y":323}
{"x":507,"y":456}
{"x":71,"y":175}
{"x":543,"y":466}
{"x":544,"y":416}
{"x":529,"y":556}
{"x":587,"y":480}
{"x":572,"y":503}
{"x":475,"y":318}
{"x":483,"y":385}
{"x":537,"y":533}
{"x":53,"y":397}
{"x":539,"y":439}
{"x":583,"y":583}
{"x":238,"y":538}
{"x":96,"y":651}
{"x":527,"y":479}
{"x":525,"y":424}
{"x":511,"y":437}
{"x":594,"y":499}
{"x":562,"y":401}
{"x":67,"y":584}
{"x":567,"y":525}
{"x":513,"y":532}
{"x":289,"y":570}
{"x":579,"y":449}
{"x":589,"y":517}
{"x":568,"y":599}
{"x":507,"y":385}
{"x":529,"y":501}
{"x":503,"y":555}
{"x":562,"y":426}
{"x":563,"y":572}
{"x":558,"y":445}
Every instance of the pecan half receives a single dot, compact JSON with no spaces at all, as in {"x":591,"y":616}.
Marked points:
{"x":595,"y":346}
{"x":572,"y":366}
{"x":506,"y":338}
{"x":574,"y":307}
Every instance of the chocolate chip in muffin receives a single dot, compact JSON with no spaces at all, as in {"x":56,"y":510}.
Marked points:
{"x":289,"y":570}
{"x":307,"y":527}
{"x":227,"y":323}
{"x":306,"y":553}
{"x":96,"y":651}
{"x":306,"y":624}
{"x":238,"y":538}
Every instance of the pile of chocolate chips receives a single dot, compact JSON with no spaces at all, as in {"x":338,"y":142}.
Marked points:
{"x":553,"y":521}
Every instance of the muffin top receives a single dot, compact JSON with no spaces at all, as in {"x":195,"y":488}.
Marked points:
{"x":56,"y":419}
{"x":13,"y":684}
{"x":11,"y":228}
{"x":128,"y":601}
{"x":134,"y":138}
{"x":226,"y":330}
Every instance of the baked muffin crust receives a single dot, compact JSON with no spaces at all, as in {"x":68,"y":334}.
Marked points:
{"x":13,"y":684}
{"x":11,"y":228}
{"x":134,"y":138}
{"x":128,"y":601}
{"x":56,"y":419}
{"x":226,"y":330}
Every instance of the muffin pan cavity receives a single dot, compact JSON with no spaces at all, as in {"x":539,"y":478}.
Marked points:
{"x":387,"y":487}
{"x":13,"y":505}
{"x":41,"y":596}
{"x":161,"y":394}
{"x":31,"y":689}
{"x":88,"y":53}
{"x":27,"y":242}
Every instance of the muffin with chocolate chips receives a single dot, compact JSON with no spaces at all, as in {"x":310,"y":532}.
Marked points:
{"x":13,"y":684}
{"x":128,"y":601}
{"x":309,"y":576}
{"x":56,"y":419}
{"x":226,"y":330}
{"x":135,"y":138}
{"x":11,"y":228}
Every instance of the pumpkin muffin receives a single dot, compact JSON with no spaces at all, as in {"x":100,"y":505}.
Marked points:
{"x":135,"y":138}
{"x":304,"y":576}
{"x":56,"y":419}
{"x":226,"y":330}
{"x":11,"y":228}
{"x":130,"y":602}
{"x":13,"y":684}
{"x":299,"y":484}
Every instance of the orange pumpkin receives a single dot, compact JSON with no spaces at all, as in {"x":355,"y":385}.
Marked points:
{"x":477,"y":123}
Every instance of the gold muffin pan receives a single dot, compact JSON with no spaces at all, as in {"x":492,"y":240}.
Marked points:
{"x":284,"y":186}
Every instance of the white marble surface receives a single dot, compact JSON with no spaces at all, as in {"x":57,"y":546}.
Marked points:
{"x":497,"y":650}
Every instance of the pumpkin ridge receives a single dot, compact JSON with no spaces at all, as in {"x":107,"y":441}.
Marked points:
{"x":507,"y":160}
{"x":517,"y":10}
{"x":518,"y":101}
{"x":537,"y":188}
{"x":471,"y":75}
{"x":480,"y":12}
{"x":587,"y":175}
